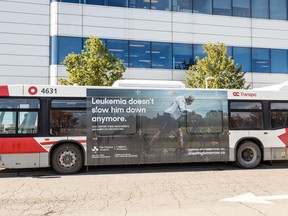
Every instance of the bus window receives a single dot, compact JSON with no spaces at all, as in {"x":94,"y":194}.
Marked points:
{"x":68,"y":122}
{"x":19,"y":115}
{"x":246,"y":115}
{"x":68,"y":104}
{"x":7,"y":122}
{"x":27,"y":122}
{"x":68,"y":117}
{"x":23,"y":103}
{"x":279,"y":115}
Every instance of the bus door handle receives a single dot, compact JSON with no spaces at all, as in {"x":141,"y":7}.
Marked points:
{"x":265,"y":132}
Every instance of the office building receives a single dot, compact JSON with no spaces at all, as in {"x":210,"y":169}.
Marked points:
{"x":156,"y":39}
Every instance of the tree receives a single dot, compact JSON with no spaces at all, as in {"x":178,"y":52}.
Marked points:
{"x":95,"y":66}
{"x":218,"y":65}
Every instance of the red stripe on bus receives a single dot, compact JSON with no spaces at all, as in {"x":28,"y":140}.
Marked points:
{"x":20,"y":145}
{"x":284,"y":137}
{"x":52,"y":142}
{"x":4,"y":91}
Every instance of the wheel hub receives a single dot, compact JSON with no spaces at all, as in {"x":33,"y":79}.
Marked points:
{"x":67,"y":159}
{"x":248,"y":155}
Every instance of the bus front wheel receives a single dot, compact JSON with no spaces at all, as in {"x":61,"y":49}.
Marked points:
{"x":248,"y":155}
{"x":67,"y":159}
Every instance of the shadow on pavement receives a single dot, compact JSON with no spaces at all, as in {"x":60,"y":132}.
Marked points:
{"x":136,"y":169}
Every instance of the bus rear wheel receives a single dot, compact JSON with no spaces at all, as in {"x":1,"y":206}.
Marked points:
{"x":248,"y":155}
{"x":67,"y":159}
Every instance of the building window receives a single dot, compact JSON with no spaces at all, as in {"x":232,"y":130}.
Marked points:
{"x":140,"y":4}
{"x":70,"y":1}
{"x":242,"y":56}
{"x":119,"y":48}
{"x":241,"y":8}
{"x":117,"y":3}
{"x":95,"y":2}
{"x":161,"y":5}
{"x":202,"y":6}
{"x":182,"y":5}
{"x":161,"y":55}
{"x":261,"y":60}
{"x":198,"y":50}
{"x":64,"y":46}
{"x":278,"y":9}
{"x":260,"y":9}
{"x":139,"y":54}
{"x":182,"y":56}
{"x":222,"y":7}
{"x":229,"y":51}
{"x":279,"y":61}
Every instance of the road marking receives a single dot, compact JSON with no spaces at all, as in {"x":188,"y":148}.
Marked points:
{"x":252,"y":198}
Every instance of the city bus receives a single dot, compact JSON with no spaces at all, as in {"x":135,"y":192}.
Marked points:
{"x":71,"y":127}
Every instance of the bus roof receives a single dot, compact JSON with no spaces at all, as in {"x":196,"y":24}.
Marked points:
{"x":277,"y":87}
{"x":149,"y":84}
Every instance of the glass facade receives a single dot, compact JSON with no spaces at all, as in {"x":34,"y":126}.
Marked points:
{"x":278,"y":9}
{"x":222,"y":7}
{"x":260,"y":9}
{"x":182,"y":56}
{"x":140,"y":4}
{"x":242,"y":56}
{"x":64,"y":46}
{"x":182,"y":5}
{"x":264,"y":9}
{"x":241,"y":8}
{"x":198,"y":51}
{"x":95,"y":2}
{"x":279,"y":61}
{"x":145,"y":54}
{"x":119,"y":48}
{"x":161,"y":5}
{"x":260,"y":60}
{"x":202,"y":6}
{"x":139,"y":54}
{"x":161,"y":54}
{"x":117,"y":3}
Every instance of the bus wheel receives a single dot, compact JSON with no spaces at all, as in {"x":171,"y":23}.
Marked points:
{"x":248,"y":155}
{"x":67,"y":159}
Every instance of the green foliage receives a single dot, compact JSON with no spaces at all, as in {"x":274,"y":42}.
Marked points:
{"x":95,"y":66}
{"x":219,"y":65}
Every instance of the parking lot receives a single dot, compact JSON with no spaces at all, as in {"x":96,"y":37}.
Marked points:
{"x":216,"y":189}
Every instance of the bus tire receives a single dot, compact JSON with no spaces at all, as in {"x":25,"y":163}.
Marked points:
{"x":67,"y":159}
{"x":248,"y":155}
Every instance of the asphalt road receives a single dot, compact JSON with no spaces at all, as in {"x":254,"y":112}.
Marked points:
{"x":216,"y":190}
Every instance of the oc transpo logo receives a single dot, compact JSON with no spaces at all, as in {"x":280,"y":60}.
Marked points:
{"x":236,"y":94}
{"x":244,"y":94}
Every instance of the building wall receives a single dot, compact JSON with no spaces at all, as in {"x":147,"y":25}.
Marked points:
{"x":80,"y":20}
{"x":24,"y":41}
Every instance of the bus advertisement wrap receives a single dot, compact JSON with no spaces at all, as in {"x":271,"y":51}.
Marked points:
{"x":133,"y":126}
